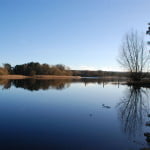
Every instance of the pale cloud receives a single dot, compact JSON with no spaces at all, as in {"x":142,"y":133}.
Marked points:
{"x":112,"y":68}
{"x":84,"y":67}
{"x":104,"y":68}
{"x":87,"y":68}
{"x":94,"y":68}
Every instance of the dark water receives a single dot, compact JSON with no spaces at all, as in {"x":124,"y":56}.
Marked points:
{"x":72,"y":115}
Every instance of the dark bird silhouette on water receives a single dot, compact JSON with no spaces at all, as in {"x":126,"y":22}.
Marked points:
{"x":105,"y":106}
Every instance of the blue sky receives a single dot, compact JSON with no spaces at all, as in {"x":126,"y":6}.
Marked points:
{"x":82,"y":34}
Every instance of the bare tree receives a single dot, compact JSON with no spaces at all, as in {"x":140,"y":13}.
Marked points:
{"x":134,"y":57}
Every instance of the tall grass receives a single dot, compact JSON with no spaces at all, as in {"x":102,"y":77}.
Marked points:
{"x":3,"y":71}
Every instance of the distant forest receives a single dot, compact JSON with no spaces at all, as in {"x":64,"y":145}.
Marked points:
{"x":35,"y":68}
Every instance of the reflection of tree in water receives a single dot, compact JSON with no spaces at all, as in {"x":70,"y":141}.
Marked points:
{"x":5,"y":83}
{"x":59,"y":84}
{"x":133,"y":109}
{"x":100,"y":81}
{"x":34,"y":85}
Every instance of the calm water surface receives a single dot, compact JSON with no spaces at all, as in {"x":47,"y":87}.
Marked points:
{"x":72,"y":115}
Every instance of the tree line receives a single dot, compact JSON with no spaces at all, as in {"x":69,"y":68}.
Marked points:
{"x":35,"y":68}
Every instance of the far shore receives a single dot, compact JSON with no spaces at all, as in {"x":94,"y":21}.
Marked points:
{"x":15,"y":77}
{"x":124,"y":80}
{"x":145,"y":81}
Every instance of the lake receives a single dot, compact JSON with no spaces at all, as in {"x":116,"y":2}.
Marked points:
{"x":86,"y":114}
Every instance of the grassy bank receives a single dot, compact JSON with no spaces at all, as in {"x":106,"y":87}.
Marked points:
{"x":13,"y":77}
{"x":38,"y":77}
{"x":54,"y":77}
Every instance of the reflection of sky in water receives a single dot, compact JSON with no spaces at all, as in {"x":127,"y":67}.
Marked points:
{"x":64,"y":119}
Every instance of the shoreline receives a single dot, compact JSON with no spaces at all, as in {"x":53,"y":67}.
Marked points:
{"x":46,"y":77}
{"x":123,"y":80}
{"x":15,"y":77}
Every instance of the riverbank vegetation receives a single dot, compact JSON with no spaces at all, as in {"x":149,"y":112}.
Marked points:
{"x":44,"y":71}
